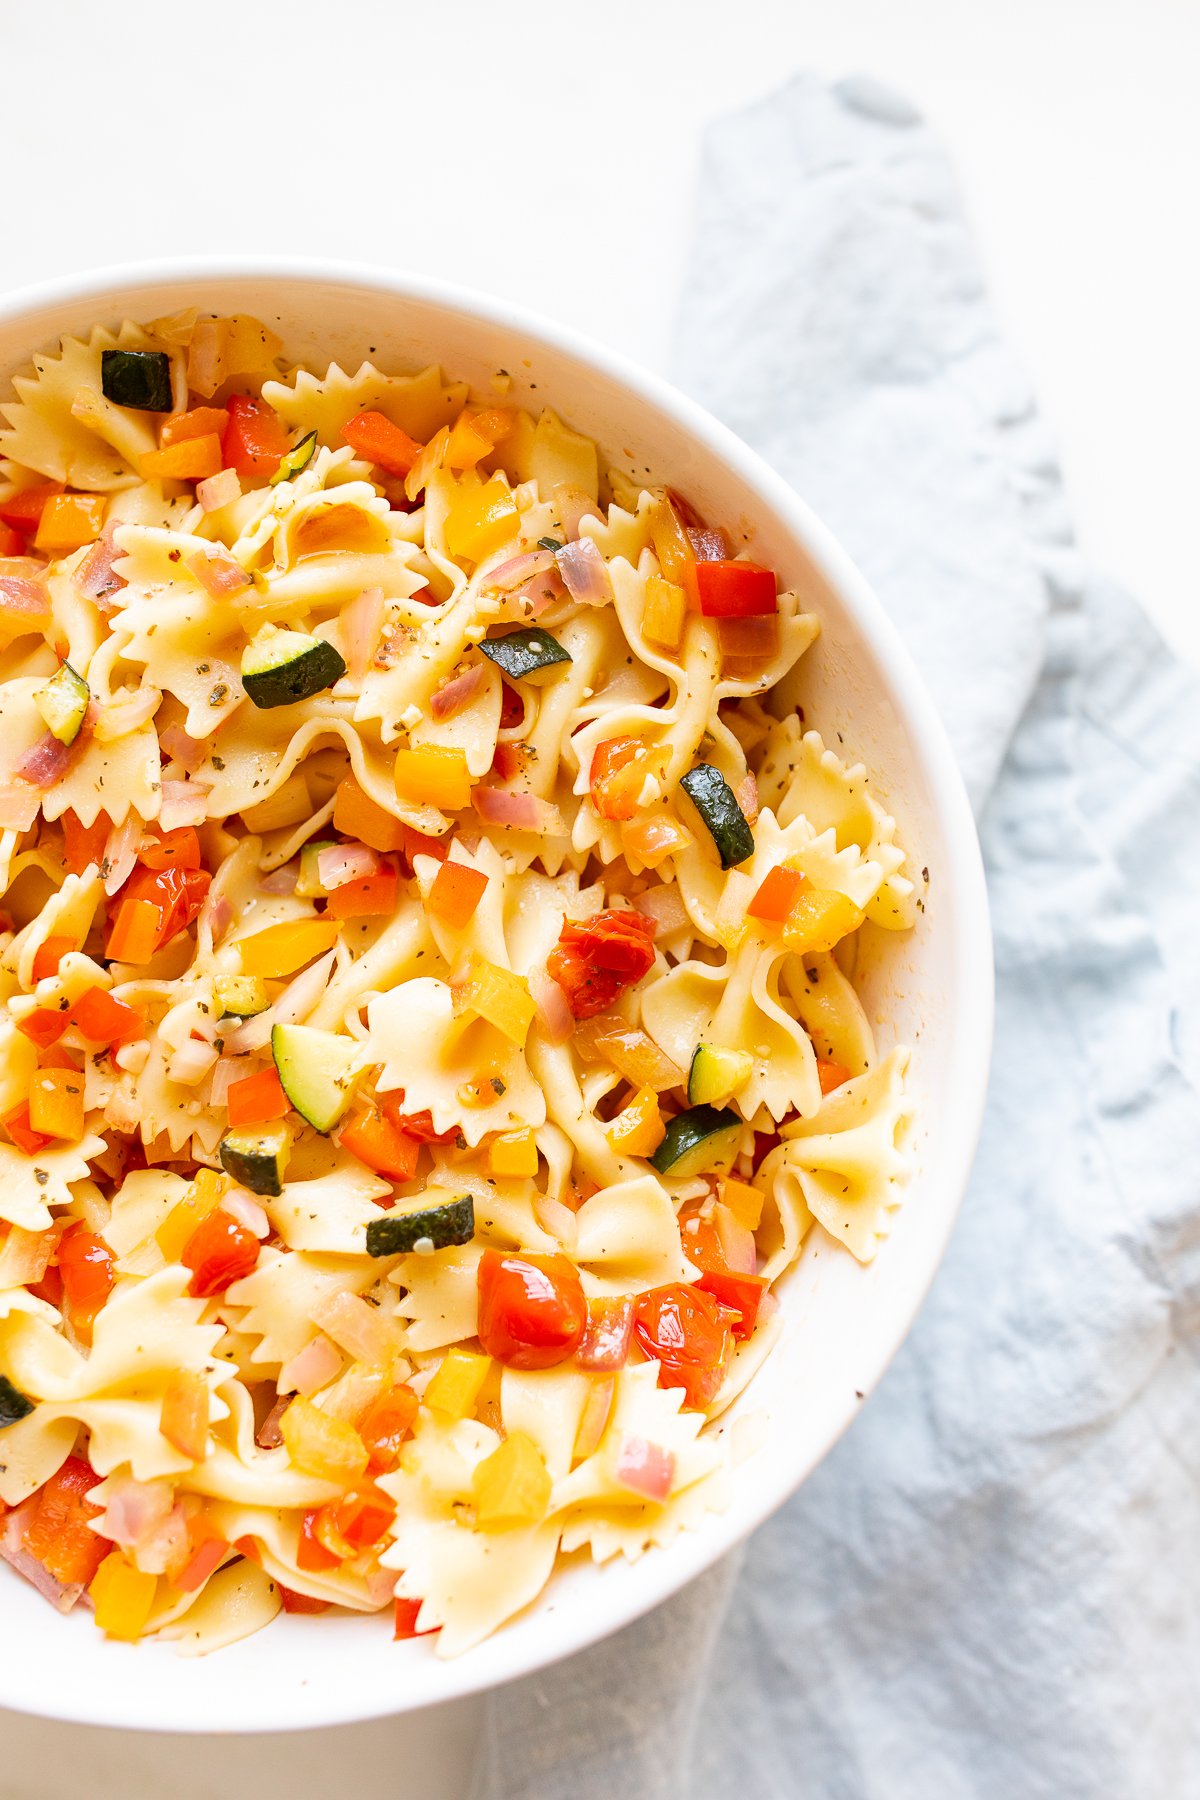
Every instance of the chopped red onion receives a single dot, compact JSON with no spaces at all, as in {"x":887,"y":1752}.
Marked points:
{"x":557,"y":1019}
{"x":531,"y":599}
{"x":737,"y":1243}
{"x":708,"y":542}
{"x":121,"y":717}
{"x":269,"y":1436}
{"x":46,"y":762}
{"x":293,"y":1005}
{"x":517,"y":812}
{"x":191,"y":1062}
{"x":281,"y":880}
{"x":19,"y":805}
{"x":217,"y":915}
{"x":361,"y":627}
{"x":25,"y":1256}
{"x":585,"y":572}
{"x":556,"y":1218}
{"x":518,"y":569}
{"x":314,"y":1367}
{"x":24,"y":601}
{"x":605,"y":1346}
{"x":245,"y":1209}
{"x":218,"y":490}
{"x":177,"y":746}
{"x":343,"y":863}
{"x":227,"y":1071}
{"x":96,"y":578}
{"x":594,"y":1418}
{"x":457,"y":693}
{"x":746,"y":795}
{"x":645,"y":1468}
{"x":133,"y":1510}
{"x":571,"y":505}
{"x":183,"y":803}
{"x":221,"y":576}
{"x":356,"y":1327}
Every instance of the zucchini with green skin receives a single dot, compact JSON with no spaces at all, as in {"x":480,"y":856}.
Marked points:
{"x":316,"y":1071}
{"x":14,"y":1405}
{"x":519,"y":654}
{"x":137,"y":378}
{"x":293,"y":461}
{"x":257,"y":1159}
{"x":308,"y":882}
{"x":703,"y":1140}
{"x":240,"y":996}
{"x":726,"y":823}
{"x":281,"y":667}
{"x":716,"y":1074}
{"x":63,"y":702}
{"x":398,"y":1234}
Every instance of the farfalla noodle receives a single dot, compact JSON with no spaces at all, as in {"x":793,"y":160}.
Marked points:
{"x":426,"y":1023}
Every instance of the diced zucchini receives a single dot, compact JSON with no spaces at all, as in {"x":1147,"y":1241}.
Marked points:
{"x":396,"y":1234}
{"x":315,"y":1071}
{"x":519,"y":654}
{"x":14,"y":1405}
{"x":294,"y":460}
{"x":240,"y":996}
{"x":257,"y":1159}
{"x":308,"y":884}
{"x":702,"y":1140}
{"x":63,"y":702}
{"x":138,"y":378}
{"x":714,"y":800}
{"x":281,"y":667}
{"x":716,"y":1074}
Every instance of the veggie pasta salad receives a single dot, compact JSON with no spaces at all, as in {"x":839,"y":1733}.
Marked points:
{"x":428,"y":1019}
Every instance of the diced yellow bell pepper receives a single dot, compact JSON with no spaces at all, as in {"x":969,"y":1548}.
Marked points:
{"x":69,"y":520}
{"x":744,"y":1202}
{"x":672,"y":546}
{"x":320,"y":1444}
{"x":123,"y":1597}
{"x":456,"y":1387}
{"x":340,"y":528}
{"x":242,"y":995}
{"x":434,"y":775}
{"x":512,"y":1485}
{"x":498,"y":996}
{"x":476,"y":434}
{"x":638,"y":1128}
{"x":282,"y":949}
{"x":819,"y":919}
{"x":664,"y":612}
{"x":56,"y":1104}
{"x":286,"y":806}
{"x":482,"y":518}
{"x":514,"y":1153}
{"x":202,"y":1197}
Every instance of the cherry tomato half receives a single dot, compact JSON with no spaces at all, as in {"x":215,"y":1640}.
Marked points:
{"x":687,"y":1334}
{"x":219,"y":1252}
{"x":532,"y":1311}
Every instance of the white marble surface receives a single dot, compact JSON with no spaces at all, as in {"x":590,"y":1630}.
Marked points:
{"x":547,"y":152}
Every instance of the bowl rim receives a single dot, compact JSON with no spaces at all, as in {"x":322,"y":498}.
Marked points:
{"x":971,"y":1004}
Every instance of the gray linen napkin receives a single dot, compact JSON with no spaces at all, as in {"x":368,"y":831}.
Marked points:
{"x":992,"y":1586}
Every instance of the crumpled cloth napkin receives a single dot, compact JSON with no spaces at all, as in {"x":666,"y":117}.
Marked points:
{"x":991,"y":1587}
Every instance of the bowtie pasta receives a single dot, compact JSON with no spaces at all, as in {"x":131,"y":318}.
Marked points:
{"x":427,"y":1022}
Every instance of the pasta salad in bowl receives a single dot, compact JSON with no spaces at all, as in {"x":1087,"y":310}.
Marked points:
{"x":452,"y":995}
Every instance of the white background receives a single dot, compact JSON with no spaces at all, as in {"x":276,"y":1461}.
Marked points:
{"x":547,"y":152}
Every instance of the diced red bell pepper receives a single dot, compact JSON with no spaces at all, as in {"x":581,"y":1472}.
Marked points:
{"x":254,"y":440}
{"x":86,"y":1265}
{"x":512,"y":707}
{"x":730,"y":590}
{"x":594,"y":960}
{"x":740,"y":1294}
{"x":369,"y":898}
{"x":375,"y":1141}
{"x":84,"y":844}
{"x":17,"y":1125}
{"x":300,"y":1603}
{"x":377,"y":439}
{"x":23,"y":510}
{"x":775,"y":894}
{"x":257,"y":1099}
{"x":177,"y":895}
{"x":532,"y":1310}
{"x":456,"y":892}
{"x":418,"y":843}
{"x":407,"y":1613}
{"x":209,"y":1550}
{"x":219,"y":1252}
{"x":11,"y":541}
{"x":59,"y":1535}
{"x":418,"y":1125}
{"x":49,"y":954}
{"x":44,"y":1026}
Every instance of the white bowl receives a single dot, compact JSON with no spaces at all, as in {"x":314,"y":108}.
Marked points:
{"x":931,"y":988}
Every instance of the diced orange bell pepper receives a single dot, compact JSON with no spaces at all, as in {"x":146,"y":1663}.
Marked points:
{"x":183,"y":1420}
{"x":84,"y":844}
{"x":832,"y":1074}
{"x":135,"y":932}
{"x":744,"y":1202}
{"x":200,"y":422}
{"x":376,"y":1142}
{"x":407,"y":1613}
{"x":56,"y":1104}
{"x":356,"y":815}
{"x":44,"y":1026}
{"x":377,"y":439}
{"x":365,"y":899}
{"x":514,"y":1153}
{"x":102,"y":1019}
{"x":195,"y":459}
{"x":386,"y":1424}
{"x":68,"y":521}
{"x":49,"y":954}
{"x":616,"y":776}
{"x":773,"y":898}
{"x":456,"y":892}
{"x":207,"y":1551}
{"x":257,"y":1099}
{"x":294,"y":1602}
{"x":818,"y":919}
{"x":638,"y":1128}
